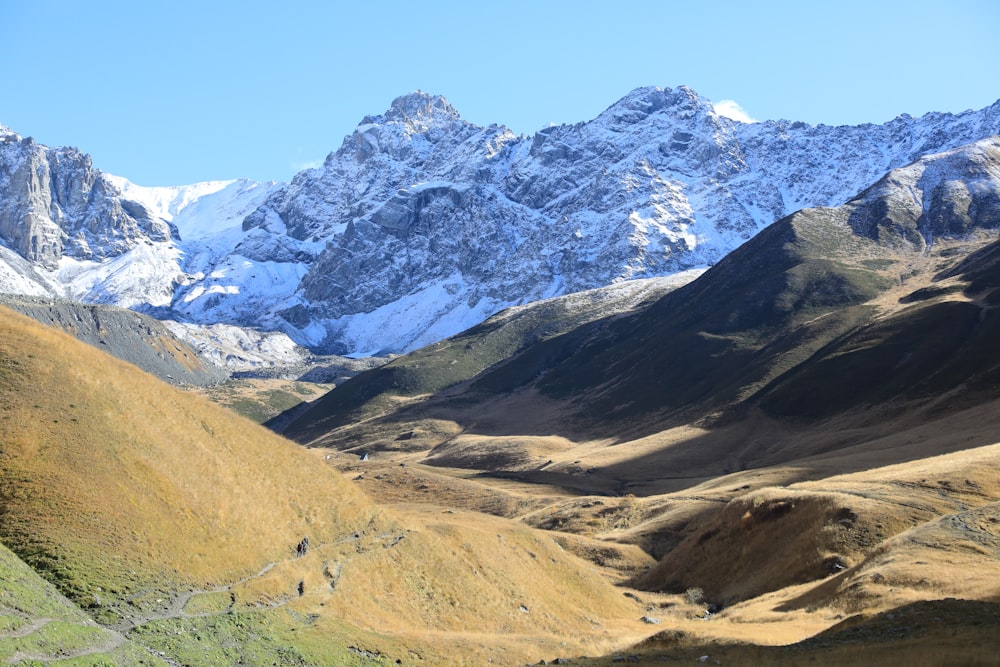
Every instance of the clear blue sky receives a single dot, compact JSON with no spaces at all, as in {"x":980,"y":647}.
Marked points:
{"x":174,"y":92}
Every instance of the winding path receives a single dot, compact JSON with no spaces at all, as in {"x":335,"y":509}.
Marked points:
{"x":113,"y":637}
{"x":111,"y":641}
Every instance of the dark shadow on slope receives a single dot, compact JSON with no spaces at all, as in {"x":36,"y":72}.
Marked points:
{"x":696,"y":352}
{"x":920,"y":354}
{"x":451,"y":363}
{"x":931,"y":632}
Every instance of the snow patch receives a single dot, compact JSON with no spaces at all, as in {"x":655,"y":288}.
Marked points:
{"x":238,"y":348}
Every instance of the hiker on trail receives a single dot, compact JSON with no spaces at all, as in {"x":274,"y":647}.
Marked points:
{"x":303,"y":547}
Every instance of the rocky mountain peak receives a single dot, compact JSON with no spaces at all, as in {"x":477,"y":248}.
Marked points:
{"x":419,"y":108}
{"x":417,"y":116}
{"x":680,"y":103}
{"x":54,"y":203}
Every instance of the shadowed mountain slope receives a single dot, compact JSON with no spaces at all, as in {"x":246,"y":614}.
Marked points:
{"x":453,"y":362}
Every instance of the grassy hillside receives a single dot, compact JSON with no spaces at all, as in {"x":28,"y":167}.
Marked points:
{"x":113,"y":482}
{"x":263,"y":399}
{"x":925,"y":634}
{"x":176,"y":522}
{"x":38,"y":625}
{"x":894,"y":563}
{"x":458,"y":359}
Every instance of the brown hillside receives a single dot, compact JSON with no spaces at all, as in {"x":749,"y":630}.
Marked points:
{"x":924,"y":527}
{"x":106,"y":468}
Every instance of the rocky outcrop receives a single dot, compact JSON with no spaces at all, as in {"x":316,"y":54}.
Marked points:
{"x":54,"y":202}
{"x":943,"y":195}
{"x":130,"y":336}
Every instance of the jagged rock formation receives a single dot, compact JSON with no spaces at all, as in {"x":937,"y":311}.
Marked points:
{"x":421,"y":206}
{"x":54,"y":202}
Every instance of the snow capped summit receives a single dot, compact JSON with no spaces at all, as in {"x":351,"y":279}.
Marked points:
{"x":431,"y":226}
{"x":200,"y":210}
{"x":419,"y":109}
{"x":635,"y":107}
{"x":422,"y":224}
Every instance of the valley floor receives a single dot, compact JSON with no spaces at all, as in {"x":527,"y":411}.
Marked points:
{"x":881,"y":552}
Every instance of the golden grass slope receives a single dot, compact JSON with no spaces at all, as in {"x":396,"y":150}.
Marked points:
{"x":104,"y":465}
{"x":769,"y":538}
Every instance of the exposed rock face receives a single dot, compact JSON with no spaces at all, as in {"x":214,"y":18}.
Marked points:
{"x":938,"y":196}
{"x":54,"y":202}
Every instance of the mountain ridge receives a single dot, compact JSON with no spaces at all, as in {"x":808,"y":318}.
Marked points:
{"x":422,"y":224}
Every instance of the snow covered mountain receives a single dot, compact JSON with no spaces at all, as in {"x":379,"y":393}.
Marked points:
{"x":423,"y":224}
{"x":97,"y":238}
{"x":68,"y":230}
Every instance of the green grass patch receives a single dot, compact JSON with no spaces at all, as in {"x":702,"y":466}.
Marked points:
{"x":127,"y":655}
{"x":25,"y":595}
{"x":878,"y":264}
{"x":10,"y":623}
{"x":262,"y":400}
{"x":256,"y":638}
{"x":209,"y":603}
{"x":39,"y":626}
{"x":54,"y":639}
